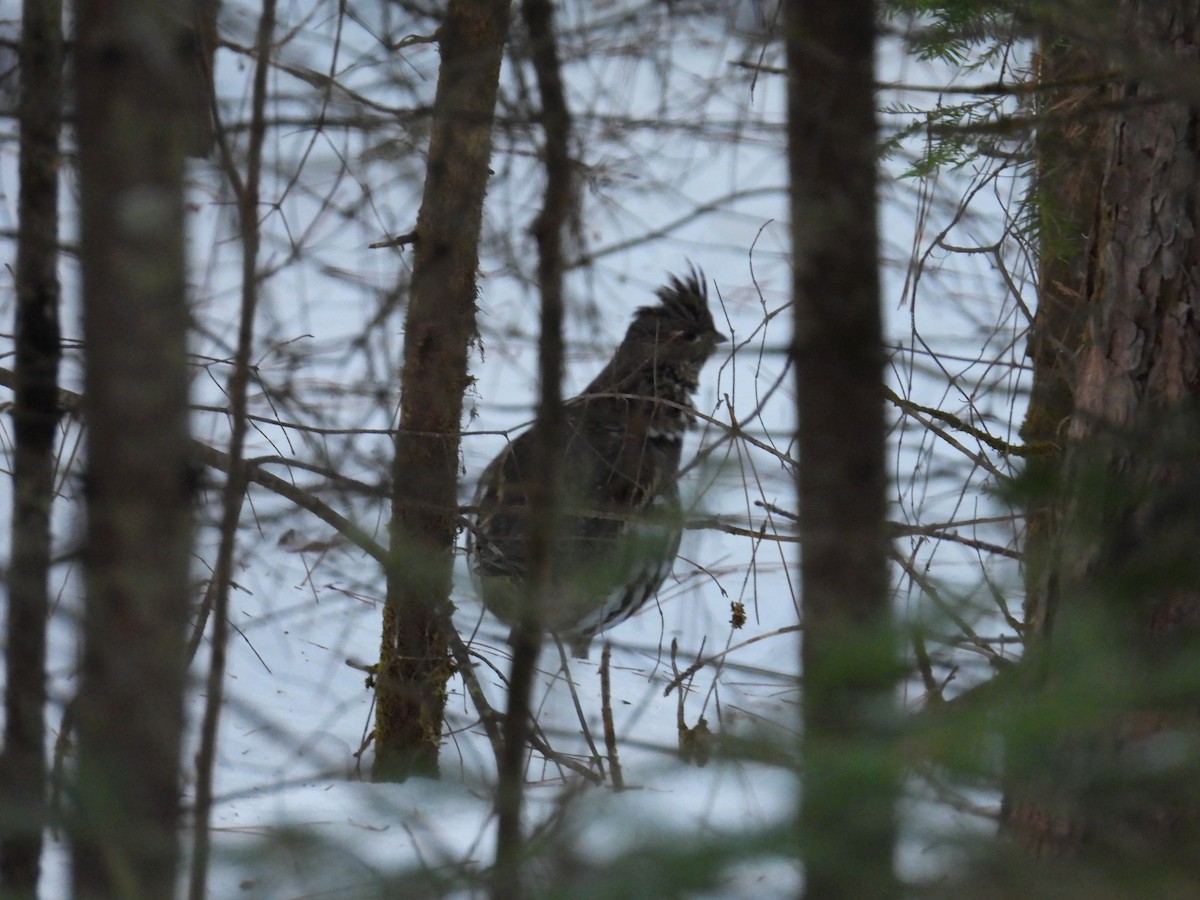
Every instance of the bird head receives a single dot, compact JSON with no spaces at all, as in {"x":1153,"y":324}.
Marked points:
{"x":680,"y":327}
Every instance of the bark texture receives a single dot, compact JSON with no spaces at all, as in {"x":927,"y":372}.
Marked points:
{"x":133,"y":75}
{"x":35,"y":426}
{"x":1069,"y":173}
{"x":847,"y":818}
{"x":414,"y":660}
{"x":1116,"y":616}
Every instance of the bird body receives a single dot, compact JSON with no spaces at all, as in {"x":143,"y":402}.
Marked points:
{"x":621,"y":519}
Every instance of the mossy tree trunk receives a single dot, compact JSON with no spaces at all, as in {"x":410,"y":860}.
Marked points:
{"x":414,"y":660}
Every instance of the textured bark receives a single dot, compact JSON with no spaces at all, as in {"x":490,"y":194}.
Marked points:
{"x":847,"y":817}
{"x":132,"y":82}
{"x":1070,"y":167}
{"x":1117,"y":614}
{"x":1069,"y":173}
{"x":414,"y":662}
{"x":35,"y":425}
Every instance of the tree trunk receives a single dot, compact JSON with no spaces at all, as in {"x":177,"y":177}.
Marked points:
{"x":1069,"y":173}
{"x":132,"y":69}
{"x":1117,"y":610}
{"x":544,"y":501}
{"x":414,"y":663}
{"x":847,"y":817}
{"x":35,"y":424}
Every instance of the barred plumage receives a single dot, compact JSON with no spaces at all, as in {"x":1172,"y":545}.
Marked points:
{"x":621,"y":521}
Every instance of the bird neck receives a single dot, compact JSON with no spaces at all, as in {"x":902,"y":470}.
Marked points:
{"x":662,"y":379}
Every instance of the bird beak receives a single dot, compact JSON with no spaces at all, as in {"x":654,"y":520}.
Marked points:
{"x":719,"y":338}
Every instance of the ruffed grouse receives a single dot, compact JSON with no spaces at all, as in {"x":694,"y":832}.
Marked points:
{"x":621,"y":519}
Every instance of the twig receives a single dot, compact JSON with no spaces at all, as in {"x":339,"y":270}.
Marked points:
{"x":71,"y":402}
{"x":539,"y":744}
{"x":402,"y":240}
{"x":695,"y":744}
{"x":237,"y":479}
{"x":973,"y":639}
{"x":566,"y":672}
{"x":610,"y":733}
{"x":1034,"y":448}
{"x":933,"y":691}
{"x":717,"y":657}
{"x":466,"y":670}
{"x":411,"y":40}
